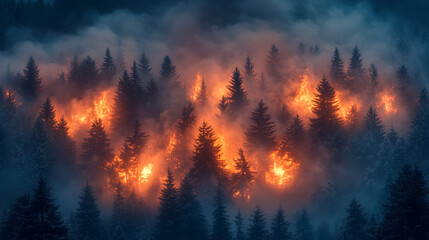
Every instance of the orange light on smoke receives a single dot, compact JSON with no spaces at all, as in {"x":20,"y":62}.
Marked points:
{"x":197,"y":87}
{"x":303,"y":99}
{"x":146,"y":173}
{"x":282,"y":170}
{"x":388,"y":102}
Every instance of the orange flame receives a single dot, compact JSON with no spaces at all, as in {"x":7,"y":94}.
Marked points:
{"x":282,"y":171}
{"x":197,"y":87}
{"x":146,"y":173}
{"x":388,"y":102}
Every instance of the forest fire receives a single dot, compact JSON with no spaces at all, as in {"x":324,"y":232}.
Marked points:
{"x":146,"y":173}
{"x":197,"y":87}
{"x":388,"y":102}
{"x":282,"y":171}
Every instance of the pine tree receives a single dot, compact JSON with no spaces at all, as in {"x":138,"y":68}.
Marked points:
{"x":88,"y":222}
{"x":168,"y":222}
{"x":135,"y":217}
{"x":249,"y":72}
{"x":303,"y":228}
{"x":373,"y":129}
{"x":137,"y":84}
{"x":355,"y":223}
{"x":64,"y":147}
{"x":257,"y":229}
{"x":261,"y":132}
{"x":280,"y":227}
{"x":96,"y":150}
{"x":120,"y":60}
{"x":207,"y":158}
{"x":137,"y":141}
{"x":192,"y":218}
{"x":273,"y":64}
{"x":419,"y":136}
{"x":220,"y":226}
{"x":74,"y":73}
{"x":223,"y":105}
{"x":19,"y":221}
{"x":373,"y":83}
{"x":144,"y":67}
{"x":47,"y":114}
{"x":237,"y":97}
{"x":355,"y":71}
{"x":40,"y":154}
{"x":48,"y":223}
{"x":125,"y":106}
{"x":295,"y":138}
{"x":202,"y":100}
{"x":323,"y":232}
{"x":118,"y":207}
{"x":405,"y":213}
{"x":168,"y":70}
{"x":372,"y":228}
{"x":240,"y":235}
{"x":88,"y":78}
{"x":243,"y":177}
{"x":151,"y":90}
{"x":108,"y":68}
{"x":325,"y":106}
{"x":31,"y":83}
{"x":337,"y":69}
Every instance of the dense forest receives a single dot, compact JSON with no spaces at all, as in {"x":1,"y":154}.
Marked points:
{"x":164,"y":120}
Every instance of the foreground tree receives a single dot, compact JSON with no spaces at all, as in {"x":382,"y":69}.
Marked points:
{"x":240,"y":235}
{"x":88,"y":221}
{"x":48,"y":224}
{"x":280,"y":227}
{"x":19,"y":220}
{"x":356,"y":72}
{"x":31,"y":83}
{"x":220,"y":230}
{"x":261,"y":133}
{"x":194,"y":225}
{"x":207,"y":158}
{"x":419,"y":136}
{"x":168,"y":222}
{"x":257,"y":229}
{"x":355,"y":223}
{"x":406,"y":208}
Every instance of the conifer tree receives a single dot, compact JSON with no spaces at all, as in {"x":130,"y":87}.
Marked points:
{"x":295,"y":137}
{"x":135,"y":218}
{"x":108,"y":68}
{"x":168,"y":70}
{"x":373,"y":82}
{"x":137,"y":141}
{"x":19,"y":220}
{"x":280,"y":226}
{"x":257,"y":229}
{"x":243,"y":177}
{"x":355,"y":71}
{"x":419,"y":139}
{"x":96,"y":150}
{"x":136,"y":83}
{"x":64,"y":146}
{"x":261,"y":132}
{"x":355,"y":223}
{"x":249,"y":72}
{"x":373,"y":129}
{"x":323,"y":232}
{"x":303,"y":228}
{"x":88,"y":221}
{"x":273,"y":64}
{"x":168,"y":223}
{"x":48,"y":224}
{"x":31,"y":83}
{"x":202,"y":100}
{"x":40,"y":154}
{"x":88,"y":78}
{"x":372,"y":228}
{"x":207,"y":158}
{"x":118,"y":207}
{"x":325,"y":106}
{"x":239,"y":235}
{"x":405,"y":214}
{"x":220,"y":226}
{"x":47,"y":114}
{"x":192,"y":218}
{"x":74,"y":71}
{"x":120,"y":60}
{"x":237,"y":97}
{"x":143,"y":67}
{"x":151,"y":90}
{"x":337,"y":69}
{"x":125,"y":106}
{"x":223,"y":105}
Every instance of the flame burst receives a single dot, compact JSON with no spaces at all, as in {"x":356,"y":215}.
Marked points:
{"x":197,"y":87}
{"x":282,"y":171}
{"x":146,"y":173}
{"x":303,"y":100}
{"x":388,"y":102}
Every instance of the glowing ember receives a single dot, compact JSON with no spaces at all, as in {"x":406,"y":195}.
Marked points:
{"x":146,"y":172}
{"x":241,"y":195}
{"x":282,"y":171}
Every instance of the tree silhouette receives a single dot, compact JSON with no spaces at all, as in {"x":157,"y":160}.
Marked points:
{"x":295,"y":138}
{"x":240,"y":235}
{"x":355,"y":223}
{"x":249,"y":72}
{"x":280,"y":226}
{"x":261,"y":132}
{"x":143,"y":67}
{"x":31,"y":83}
{"x":243,"y":177}
{"x":220,"y":226}
{"x":108,"y":68}
{"x":273,"y":64}
{"x":303,"y":228}
{"x":47,"y":114}
{"x":355,"y":71}
{"x":257,"y":229}
{"x":237,"y":97}
{"x":337,"y":69}
{"x":88,"y":221}
{"x":125,"y":105}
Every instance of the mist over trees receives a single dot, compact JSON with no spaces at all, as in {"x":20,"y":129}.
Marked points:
{"x":114,"y":145}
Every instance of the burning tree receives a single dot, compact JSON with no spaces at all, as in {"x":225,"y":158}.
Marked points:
{"x":243,"y":177}
{"x":125,"y":106}
{"x":261,"y":132}
{"x":207,"y":158}
{"x":295,"y":138}
{"x":237,"y":97}
{"x":201,"y":98}
{"x":47,"y":114}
